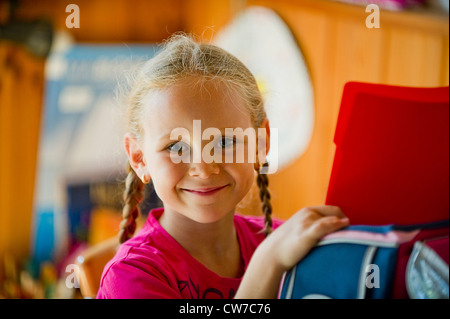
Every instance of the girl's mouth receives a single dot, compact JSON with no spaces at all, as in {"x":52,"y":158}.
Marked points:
{"x":204,"y":191}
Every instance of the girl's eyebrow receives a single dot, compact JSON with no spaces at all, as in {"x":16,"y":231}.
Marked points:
{"x":167,"y":133}
{"x":164,"y":136}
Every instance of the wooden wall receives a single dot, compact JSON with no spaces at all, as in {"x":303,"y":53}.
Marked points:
{"x":21,"y":88}
{"x":408,"y":49}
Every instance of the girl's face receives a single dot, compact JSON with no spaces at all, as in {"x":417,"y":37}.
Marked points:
{"x":203,"y":192}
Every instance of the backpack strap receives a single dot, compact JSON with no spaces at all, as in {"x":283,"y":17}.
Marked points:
{"x":367,"y":261}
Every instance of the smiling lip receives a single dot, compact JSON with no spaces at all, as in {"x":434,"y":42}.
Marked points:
{"x":204,"y":191}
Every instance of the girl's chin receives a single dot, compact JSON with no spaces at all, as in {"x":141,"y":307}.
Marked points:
{"x":207,"y":215}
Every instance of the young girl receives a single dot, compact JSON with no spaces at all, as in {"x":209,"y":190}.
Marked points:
{"x":195,"y":246}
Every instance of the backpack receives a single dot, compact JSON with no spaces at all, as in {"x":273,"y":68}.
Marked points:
{"x":374,"y":262}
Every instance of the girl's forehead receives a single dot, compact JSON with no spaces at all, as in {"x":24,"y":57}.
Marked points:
{"x":211,"y":101}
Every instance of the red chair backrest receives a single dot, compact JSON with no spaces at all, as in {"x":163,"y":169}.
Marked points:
{"x":392,"y":155}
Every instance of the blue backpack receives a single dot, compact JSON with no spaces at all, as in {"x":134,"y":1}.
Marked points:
{"x":374,"y":262}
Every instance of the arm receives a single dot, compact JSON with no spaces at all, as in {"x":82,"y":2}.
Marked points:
{"x":285,"y":247}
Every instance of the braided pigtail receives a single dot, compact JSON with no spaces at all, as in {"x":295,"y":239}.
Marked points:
{"x":133,"y":196}
{"x":263,"y":182}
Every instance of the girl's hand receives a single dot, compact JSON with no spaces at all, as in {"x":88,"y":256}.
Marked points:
{"x":285,"y":247}
{"x":291,"y":241}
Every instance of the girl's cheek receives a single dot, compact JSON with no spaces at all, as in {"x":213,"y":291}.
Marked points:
{"x":242,"y":173}
{"x":166,"y":176}
{"x":158,"y":166}
{"x":172,"y":171}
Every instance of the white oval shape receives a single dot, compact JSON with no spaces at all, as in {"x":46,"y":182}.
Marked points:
{"x":264,"y":43}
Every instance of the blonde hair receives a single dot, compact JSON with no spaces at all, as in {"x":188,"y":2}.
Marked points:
{"x":182,"y":57}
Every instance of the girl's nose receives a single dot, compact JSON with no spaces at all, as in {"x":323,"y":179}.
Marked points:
{"x":203,"y":170}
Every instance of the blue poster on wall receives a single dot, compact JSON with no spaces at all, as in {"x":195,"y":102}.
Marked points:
{"x":81,"y":133}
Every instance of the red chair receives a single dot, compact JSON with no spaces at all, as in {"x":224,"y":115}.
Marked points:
{"x":392,"y":155}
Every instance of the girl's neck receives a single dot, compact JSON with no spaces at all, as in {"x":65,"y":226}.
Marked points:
{"x":215,"y":245}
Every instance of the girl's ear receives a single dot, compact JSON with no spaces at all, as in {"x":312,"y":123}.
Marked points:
{"x":263,"y":142}
{"x":134,"y":150}
{"x":136,"y":156}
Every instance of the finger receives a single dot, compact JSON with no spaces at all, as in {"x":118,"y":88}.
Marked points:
{"x":328,"y":225}
{"x":329,"y":210}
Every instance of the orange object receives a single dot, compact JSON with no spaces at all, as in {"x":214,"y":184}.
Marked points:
{"x":91,"y":263}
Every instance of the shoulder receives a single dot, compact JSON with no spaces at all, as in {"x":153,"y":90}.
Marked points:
{"x":142,"y":268}
{"x":139,"y":263}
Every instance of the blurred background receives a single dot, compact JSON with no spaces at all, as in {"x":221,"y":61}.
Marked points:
{"x":61,"y":159}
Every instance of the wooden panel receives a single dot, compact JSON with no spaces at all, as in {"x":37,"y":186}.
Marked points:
{"x":21,"y":87}
{"x":444,"y":66}
{"x":6,"y":146}
{"x":111,"y":21}
{"x":430,"y":68}
{"x":405,"y":50}
{"x":361,"y":52}
{"x":205,"y":18}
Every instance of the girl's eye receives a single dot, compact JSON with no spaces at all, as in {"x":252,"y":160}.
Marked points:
{"x":178,"y":147}
{"x":225,"y":142}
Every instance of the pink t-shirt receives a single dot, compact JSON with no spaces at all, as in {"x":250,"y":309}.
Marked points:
{"x":154,"y":265}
